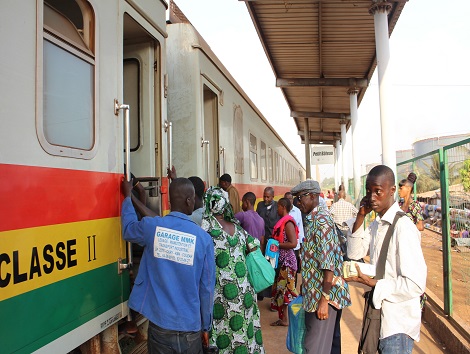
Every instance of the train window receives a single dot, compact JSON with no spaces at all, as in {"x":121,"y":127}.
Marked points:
{"x":276,"y":167}
{"x":253,"y":157}
{"x":270,"y":164}
{"x":264,"y":175}
{"x":67,"y":122}
{"x":282,"y":170}
{"x":238,"y":138}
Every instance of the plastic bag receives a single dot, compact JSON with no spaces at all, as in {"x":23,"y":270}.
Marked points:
{"x":296,"y":329}
{"x":260,"y":272}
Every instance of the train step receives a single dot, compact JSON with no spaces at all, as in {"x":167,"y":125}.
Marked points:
{"x":139,"y":348}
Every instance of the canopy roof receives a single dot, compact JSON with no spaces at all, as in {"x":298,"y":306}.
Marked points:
{"x":318,"y":50}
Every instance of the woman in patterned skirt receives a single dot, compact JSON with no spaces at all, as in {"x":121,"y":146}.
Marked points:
{"x":284,"y":291}
{"x":236,"y":319}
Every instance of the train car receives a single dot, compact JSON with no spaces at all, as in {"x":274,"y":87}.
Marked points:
{"x":217,"y":129}
{"x":86,"y":87}
{"x":70,"y":70}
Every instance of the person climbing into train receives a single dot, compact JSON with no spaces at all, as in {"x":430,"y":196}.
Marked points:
{"x":225,"y":182}
{"x":178,"y":260}
{"x":286,"y":233}
{"x":411,"y":207}
{"x":199,"y":189}
{"x":249,"y":218}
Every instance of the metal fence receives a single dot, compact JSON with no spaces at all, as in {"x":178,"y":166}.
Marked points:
{"x":443,"y":189}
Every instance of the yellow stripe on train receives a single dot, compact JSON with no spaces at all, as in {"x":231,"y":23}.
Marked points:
{"x":35,"y":257}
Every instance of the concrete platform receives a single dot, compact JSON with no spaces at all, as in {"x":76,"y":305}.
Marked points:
{"x":275,"y":337}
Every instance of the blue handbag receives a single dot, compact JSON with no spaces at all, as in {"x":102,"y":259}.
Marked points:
{"x":272,"y":252}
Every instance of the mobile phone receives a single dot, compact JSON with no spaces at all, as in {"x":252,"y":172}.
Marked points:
{"x":365,"y":203}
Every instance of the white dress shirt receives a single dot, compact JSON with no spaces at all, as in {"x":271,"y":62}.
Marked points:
{"x":398,"y":293}
{"x":297,"y":215}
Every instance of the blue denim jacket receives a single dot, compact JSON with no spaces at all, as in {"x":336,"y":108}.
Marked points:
{"x":175,"y":284}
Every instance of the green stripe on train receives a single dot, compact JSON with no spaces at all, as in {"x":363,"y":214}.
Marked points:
{"x":36,"y":318}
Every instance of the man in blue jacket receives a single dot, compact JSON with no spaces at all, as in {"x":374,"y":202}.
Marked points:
{"x":174,"y":288}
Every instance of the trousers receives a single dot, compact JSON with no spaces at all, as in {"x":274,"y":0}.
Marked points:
{"x":165,"y":341}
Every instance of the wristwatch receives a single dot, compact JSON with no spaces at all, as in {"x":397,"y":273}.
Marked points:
{"x":326,"y":296}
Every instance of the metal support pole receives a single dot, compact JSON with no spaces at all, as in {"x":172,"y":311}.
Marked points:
{"x":380,"y":11}
{"x":308,"y":166}
{"x":446,"y":245}
{"x":344,"y":159}
{"x":339,"y":164}
{"x":336,"y":164}
{"x":355,"y":140}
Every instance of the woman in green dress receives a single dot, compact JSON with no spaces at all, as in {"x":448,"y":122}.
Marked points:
{"x":236,"y":324}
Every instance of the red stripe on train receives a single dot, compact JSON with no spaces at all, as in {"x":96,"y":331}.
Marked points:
{"x":38,"y":196}
{"x":258,"y":190}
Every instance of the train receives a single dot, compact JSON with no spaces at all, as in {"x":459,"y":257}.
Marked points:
{"x":92,"y":91}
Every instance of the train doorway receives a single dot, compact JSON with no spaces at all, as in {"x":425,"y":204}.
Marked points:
{"x":141,"y":91}
{"x":141,"y":83}
{"x":211,"y":137}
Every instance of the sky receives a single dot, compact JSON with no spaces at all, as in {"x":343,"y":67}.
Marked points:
{"x":429,"y":63}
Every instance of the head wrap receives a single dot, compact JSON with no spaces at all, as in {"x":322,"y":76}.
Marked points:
{"x":216,"y":202}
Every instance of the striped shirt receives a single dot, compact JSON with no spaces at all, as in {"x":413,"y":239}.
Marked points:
{"x":342,"y":211}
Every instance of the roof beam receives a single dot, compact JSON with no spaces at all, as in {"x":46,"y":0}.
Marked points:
{"x":321,"y":141}
{"x":297,"y":114}
{"x":347,"y":82}
{"x":317,"y":134}
{"x":320,"y":1}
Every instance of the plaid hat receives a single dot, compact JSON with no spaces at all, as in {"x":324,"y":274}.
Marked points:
{"x":308,"y":186}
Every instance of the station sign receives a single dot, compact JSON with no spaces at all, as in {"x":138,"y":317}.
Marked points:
{"x":322,"y":154}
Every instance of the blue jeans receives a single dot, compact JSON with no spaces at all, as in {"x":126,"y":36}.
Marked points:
{"x":396,"y":344}
{"x":165,"y":341}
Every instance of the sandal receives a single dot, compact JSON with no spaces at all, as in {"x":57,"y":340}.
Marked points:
{"x":280,"y":323}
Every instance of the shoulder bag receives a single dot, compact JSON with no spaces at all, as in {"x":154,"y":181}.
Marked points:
{"x":260,"y":272}
{"x":370,"y":334}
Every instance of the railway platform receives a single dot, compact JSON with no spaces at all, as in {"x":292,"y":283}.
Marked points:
{"x":275,"y":337}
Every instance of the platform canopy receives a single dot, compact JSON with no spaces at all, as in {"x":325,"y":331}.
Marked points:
{"x":319,"y":50}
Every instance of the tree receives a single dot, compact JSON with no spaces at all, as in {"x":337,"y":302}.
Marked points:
{"x":465,"y":175}
{"x":328,"y":183}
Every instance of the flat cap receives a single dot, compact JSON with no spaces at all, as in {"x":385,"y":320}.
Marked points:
{"x":308,"y":186}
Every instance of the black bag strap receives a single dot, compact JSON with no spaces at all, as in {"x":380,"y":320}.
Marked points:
{"x":380,"y":268}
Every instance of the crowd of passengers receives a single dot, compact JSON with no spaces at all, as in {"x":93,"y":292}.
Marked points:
{"x":193,"y":285}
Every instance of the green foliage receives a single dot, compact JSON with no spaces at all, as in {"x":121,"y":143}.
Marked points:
{"x":328,"y":183}
{"x":465,"y":175}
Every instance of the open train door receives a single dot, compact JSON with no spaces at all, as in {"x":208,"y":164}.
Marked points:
{"x":210,"y":142}
{"x":141,"y":92}
{"x":141,"y":73}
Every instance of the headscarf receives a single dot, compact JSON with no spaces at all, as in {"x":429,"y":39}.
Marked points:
{"x":216,"y":202}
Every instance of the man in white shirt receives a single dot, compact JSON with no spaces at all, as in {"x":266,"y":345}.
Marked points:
{"x":398,"y":293}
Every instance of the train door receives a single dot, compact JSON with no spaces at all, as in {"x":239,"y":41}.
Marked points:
{"x":211,"y":136}
{"x":141,"y":70}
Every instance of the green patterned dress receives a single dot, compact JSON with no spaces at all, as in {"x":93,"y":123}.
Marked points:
{"x":236,"y":324}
